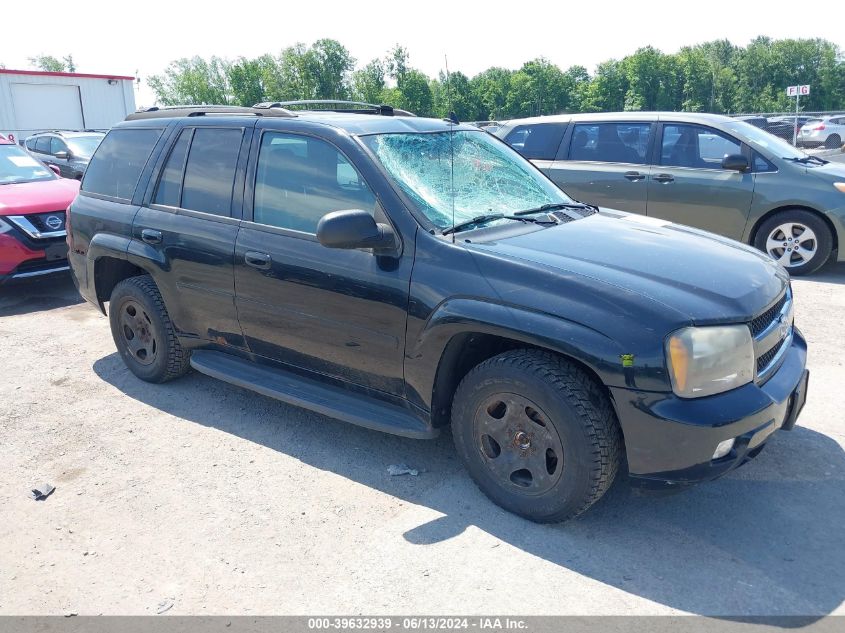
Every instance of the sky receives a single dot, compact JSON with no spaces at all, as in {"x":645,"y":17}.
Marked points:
{"x":140,"y":39}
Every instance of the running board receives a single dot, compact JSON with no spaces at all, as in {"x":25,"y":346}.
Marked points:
{"x":331,"y":401}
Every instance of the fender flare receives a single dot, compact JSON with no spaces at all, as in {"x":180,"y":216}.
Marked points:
{"x":457,"y":316}
{"x":117,"y":247}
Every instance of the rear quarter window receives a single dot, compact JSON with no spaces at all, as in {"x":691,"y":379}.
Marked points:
{"x":539,"y":141}
{"x":116,"y":166}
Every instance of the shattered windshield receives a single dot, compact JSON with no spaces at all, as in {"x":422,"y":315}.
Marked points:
{"x":489,"y":177}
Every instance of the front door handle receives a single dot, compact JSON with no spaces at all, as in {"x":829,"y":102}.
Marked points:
{"x":257,"y":260}
{"x":151,"y":236}
{"x":664,"y":178}
{"x":634,"y":176}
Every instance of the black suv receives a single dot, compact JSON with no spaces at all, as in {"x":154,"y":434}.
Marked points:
{"x":406,"y":274}
{"x":70,"y":151}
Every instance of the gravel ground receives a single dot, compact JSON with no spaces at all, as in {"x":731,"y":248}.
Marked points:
{"x":200,"y":498}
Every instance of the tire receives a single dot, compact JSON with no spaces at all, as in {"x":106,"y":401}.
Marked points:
{"x":791,"y":224}
{"x":143,"y":332}
{"x":535,"y":402}
{"x":833,"y":141}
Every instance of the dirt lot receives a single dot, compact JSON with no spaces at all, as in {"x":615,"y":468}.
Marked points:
{"x":217,"y":500}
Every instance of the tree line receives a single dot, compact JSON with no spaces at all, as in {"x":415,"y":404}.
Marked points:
{"x":714,"y":76}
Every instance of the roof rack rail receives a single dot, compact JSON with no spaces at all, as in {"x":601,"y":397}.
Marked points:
{"x":335,"y":105}
{"x":158,"y":112}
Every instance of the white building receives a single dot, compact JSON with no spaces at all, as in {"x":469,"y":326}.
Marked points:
{"x":34,"y":101}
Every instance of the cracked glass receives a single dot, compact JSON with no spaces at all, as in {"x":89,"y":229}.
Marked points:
{"x":481,"y":174}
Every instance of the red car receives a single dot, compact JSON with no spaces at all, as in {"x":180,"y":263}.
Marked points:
{"x":33,"y":200}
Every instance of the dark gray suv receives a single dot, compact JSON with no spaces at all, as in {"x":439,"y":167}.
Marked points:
{"x":69,"y":151}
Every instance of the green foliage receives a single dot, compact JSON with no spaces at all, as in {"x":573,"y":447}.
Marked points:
{"x":714,"y":76}
{"x":368,"y":83}
{"x":52,"y":64}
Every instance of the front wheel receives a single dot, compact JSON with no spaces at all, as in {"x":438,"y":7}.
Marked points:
{"x":537,"y":434}
{"x":797,"y":239}
{"x":143,"y":332}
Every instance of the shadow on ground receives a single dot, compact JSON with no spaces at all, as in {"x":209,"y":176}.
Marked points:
{"x":36,"y":295}
{"x":832,"y":273}
{"x":766,"y":540}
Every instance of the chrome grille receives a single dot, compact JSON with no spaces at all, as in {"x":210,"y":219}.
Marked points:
{"x":41,"y":225}
{"x":765,"y":359}
{"x":772,"y":333}
{"x":763,"y":321}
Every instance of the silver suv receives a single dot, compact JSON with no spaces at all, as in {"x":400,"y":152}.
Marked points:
{"x":703,"y":170}
{"x":828,"y":131}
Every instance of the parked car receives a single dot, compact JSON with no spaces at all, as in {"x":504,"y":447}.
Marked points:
{"x":33,"y":200}
{"x":703,"y":170}
{"x":405,"y":274}
{"x":781,"y":129}
{"x":795,"y":121}
{"x":828,"y":131}
{"x":69,"y":151}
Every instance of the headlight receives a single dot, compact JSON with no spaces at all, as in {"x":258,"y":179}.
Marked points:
{"x":840,"y":186}
{"x":707,"y":360}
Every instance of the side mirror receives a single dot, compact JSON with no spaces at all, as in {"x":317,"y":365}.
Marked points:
{"x":55,"y":169}
{"x":62,"y":154}
{"x":354,"y":228}
{"x":735,"y":162}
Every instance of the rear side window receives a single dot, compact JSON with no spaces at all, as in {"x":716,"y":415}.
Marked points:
{"x":537,"y":142}
{"x":299,"y":179}
{"x":42,"y":144}
{"x":210,"y":171}
{"x":169,"y":190}
{"x":117,"y":164}
{"x":610,"y":142}
{"x":30,"y":144}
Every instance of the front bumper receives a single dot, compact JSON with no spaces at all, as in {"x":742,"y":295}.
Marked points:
{"x":21,"y":259}
{"x":670,"y":441}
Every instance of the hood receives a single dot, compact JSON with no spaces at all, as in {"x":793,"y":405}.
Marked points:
{"x":709,"y":278}
{"x":832,"y":171}
{"x":37,"y":197}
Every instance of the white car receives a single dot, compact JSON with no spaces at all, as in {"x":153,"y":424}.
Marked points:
{"x":828,"y":131}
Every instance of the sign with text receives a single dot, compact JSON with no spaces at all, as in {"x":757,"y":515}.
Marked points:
{"x":794,"y":91}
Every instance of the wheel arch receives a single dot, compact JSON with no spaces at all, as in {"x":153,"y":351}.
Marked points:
{"x":466,"y":350}
{"x":110,"y":271}
{"x":752,"y":236}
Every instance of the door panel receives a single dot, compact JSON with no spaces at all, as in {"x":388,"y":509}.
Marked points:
{"x":197,"y":254}
{"x":333,"y":311}
{"x":610,"y":185}
{"x":688,"y":186}
{"x":606,"y":164}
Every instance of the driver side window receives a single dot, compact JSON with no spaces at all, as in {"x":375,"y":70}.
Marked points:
{"x":299,"y":179}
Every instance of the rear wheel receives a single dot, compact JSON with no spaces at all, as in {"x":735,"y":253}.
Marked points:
{"x":833,"y":141}
{"x":537,"y":434}
{"x":797,"y":239}
{"x":143,"y":332}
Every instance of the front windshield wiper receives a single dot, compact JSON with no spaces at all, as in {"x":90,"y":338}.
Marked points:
{"x":551,"y":206}
{"x":490,"y":217}
{"x":806,"y":159}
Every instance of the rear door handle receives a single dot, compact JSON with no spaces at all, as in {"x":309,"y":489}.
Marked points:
{"x":664,"y":178}
{"x":257,"y":260}
{"x":151,"y":236}
{"x":634,"y":176}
